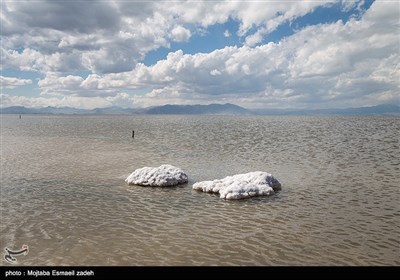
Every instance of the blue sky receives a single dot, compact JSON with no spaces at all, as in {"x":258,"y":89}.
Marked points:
{"x":215,"y":38}
{"x":258,"y":54}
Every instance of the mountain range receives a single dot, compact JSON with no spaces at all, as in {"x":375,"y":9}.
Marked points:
{"x":211,"y":109}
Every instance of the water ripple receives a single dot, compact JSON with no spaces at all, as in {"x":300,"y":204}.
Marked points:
{"x":63,"y":191}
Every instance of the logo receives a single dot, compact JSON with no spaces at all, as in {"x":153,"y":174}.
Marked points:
{"x":9,"y":256}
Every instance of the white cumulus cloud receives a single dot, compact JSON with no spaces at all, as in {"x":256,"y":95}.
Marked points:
{"x":113,"y":36}
{"x":180,"y":34}
{"x":338,"y":64}
{"x":12,"y":82}
{"x":121,"y":100}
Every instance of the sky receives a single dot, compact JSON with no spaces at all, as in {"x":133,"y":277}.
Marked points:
{"x":256,"y":54}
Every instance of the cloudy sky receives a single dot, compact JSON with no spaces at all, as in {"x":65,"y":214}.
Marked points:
{"x":257,"y":54}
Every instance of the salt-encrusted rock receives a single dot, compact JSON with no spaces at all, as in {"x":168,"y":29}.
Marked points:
{"x":164,"y":176}
{"x":241,"y":185}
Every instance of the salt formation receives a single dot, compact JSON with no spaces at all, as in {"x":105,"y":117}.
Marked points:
{"x":164,"y":176}
{"x":241,"y":185}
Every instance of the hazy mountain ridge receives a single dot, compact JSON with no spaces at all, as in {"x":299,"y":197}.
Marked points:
{"x":211,"y":109}
{"x":381,"y":109}
{"x":68,"y":111}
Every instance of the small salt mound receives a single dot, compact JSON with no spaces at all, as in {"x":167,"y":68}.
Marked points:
{"x":241,"y":185}
{"x":163,"y":176}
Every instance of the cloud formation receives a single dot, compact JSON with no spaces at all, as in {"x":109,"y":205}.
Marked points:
{"x":121,"y":99}
{"x":180,"y":34}
{"x":112,"y":36}
{"x":11,"y":82}
{"x":338,"y":64}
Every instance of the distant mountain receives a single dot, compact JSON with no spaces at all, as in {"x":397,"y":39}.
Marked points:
{"x":212,"y":109}
{"x":384,"y":109}
{"x":45,"y":110}
{"x":18,"y":110}
{"x":374,"y":110}
{"x":68,"y":111}
{"x":59,"y":110}
{"x":112,"y":111}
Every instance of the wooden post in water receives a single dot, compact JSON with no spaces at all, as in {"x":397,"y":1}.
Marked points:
{"x":19,"y":116}
{"x":133,"y":134}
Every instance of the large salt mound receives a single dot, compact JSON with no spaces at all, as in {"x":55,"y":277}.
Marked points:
{"x":163,"y":176}
{"x":241,"y":185}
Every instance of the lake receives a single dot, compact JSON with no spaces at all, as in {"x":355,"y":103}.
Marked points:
{"x":63,"y":191}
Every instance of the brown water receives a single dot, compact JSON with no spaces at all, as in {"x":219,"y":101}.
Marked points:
{"x":63,"y":191}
